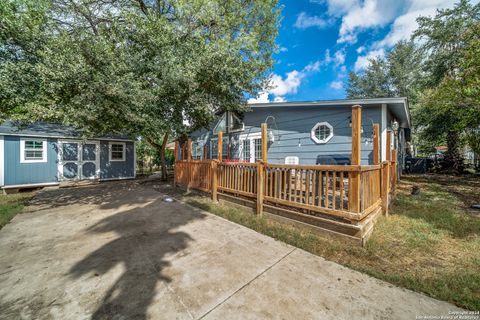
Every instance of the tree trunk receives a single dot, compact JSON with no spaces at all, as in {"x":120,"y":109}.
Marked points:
{"x":453,"y":160}
{"x":162,"y":157}
{"x":161,"y":148}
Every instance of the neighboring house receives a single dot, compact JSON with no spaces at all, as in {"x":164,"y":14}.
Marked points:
{"x":46,"y":154}
{"x":316,"y":132}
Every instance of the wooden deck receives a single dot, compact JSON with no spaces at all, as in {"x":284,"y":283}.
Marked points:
{"x":317,"y":197}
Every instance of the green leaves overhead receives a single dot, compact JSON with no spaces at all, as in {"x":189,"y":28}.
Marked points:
{"x":142,"y":67}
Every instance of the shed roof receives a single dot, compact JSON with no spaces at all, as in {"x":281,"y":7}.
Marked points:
{"x":398,"y":106}
{"x":50,"y":130}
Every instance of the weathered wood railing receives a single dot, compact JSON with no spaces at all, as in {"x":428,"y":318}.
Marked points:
{"x":238,"y":178}
{"x":195,"y":174}
{"x":323,"y":189}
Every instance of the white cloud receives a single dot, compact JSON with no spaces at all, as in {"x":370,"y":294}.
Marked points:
{"x":283,"y":49}
{"x":280,"y":86}
{"x":312,"y":67}
{"x":261,"y":98}
{"x":289,"y":85}
{"x":337,"y":59}
{"x":368,"y":14}
{"x":360,"y":49}
{"x":364,"y":61}
{"x":340,"y":7}
{"x":305,"y":21}
{"x":404,"y":25}
{"x":336,"y":85}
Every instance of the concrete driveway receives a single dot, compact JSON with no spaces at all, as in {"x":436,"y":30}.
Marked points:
{"x":118,"y":251}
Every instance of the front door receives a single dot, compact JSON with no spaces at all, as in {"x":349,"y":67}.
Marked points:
{"x":78,"y":160}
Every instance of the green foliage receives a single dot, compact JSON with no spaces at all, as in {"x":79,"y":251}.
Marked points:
{"x":442,"y":38}
{"x":440,"y":77}
{"x":11,"y":205}
{"x":138,"y":67}
{"x":392,"y":76}
{"x":451,"y":109}
{"x":146,"y":152}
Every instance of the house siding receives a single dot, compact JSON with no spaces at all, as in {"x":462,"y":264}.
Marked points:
{"x":292,"y":127}
{"x":28,"y":173}
{"x":117,"y":169}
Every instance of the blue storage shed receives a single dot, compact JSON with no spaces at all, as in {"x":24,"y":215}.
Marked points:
{"x":44,"y":154}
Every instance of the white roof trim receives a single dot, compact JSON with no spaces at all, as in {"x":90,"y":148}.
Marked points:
{"x":341,"y":102}
{"x":61,"y":137}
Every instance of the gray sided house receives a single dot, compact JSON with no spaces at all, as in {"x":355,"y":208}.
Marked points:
{"x":305,"y":133}
{"x":47,"y":154}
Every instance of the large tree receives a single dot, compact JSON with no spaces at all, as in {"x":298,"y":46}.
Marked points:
{"x":445,"y":114}
{"x":394,"y":75}
{"x":431,"y":71}
{"x":146,"y":68}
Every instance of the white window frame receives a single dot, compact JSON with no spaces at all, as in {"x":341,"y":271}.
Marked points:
{"x":232,"y":114}
{"x":213,"y":141}
{"x":321,"y":141}
{"x":227,"y":116}
{"x":44,"y":150}
{"x":251,"y":137}
{"x":110,"y":143}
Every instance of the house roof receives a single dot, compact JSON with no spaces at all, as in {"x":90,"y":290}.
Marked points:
{"x":398,"y":106}
{"x":50,"y":130}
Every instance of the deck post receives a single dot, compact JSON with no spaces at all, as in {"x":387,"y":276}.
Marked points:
{"x":264,"y":143}
{"x":214,"y":168}
{"x":189,"y":149}
{"x":354,"y":196}
{"x":188,"y":154}
{"x":389,"y":158}
{"x":205,"y":152}
{"x":376,"y":143}
{"x":260,"y":186}
{"x":389,"y":145}
{"x":220,"y":146}
{"x":183,"y":151}
{"x":385,"y":186}
{"x":394,"y":169}
{"x":175,"y":154}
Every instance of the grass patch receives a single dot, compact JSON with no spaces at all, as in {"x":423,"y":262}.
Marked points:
{"x":11,"y":205}
{"x":428,"y":244}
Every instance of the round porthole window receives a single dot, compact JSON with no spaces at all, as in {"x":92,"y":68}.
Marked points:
{"x":322,"y":132}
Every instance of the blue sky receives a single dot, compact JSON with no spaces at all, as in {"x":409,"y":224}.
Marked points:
{"x":322,"y":40}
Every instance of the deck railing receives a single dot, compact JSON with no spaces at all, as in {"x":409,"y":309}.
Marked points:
{"x":318,"y":189}
{"x":195,"y":174}
{"x":237,"y":178}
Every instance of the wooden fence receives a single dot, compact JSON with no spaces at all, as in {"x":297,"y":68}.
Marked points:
{"x":345,"y":195}
{"x":195,"y":174}
{"x":319,"y":189}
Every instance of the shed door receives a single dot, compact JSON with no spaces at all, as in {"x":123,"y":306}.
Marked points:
{"x":78,"y":161}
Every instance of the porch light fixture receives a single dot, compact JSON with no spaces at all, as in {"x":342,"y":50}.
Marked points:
{"x":395,"y":126}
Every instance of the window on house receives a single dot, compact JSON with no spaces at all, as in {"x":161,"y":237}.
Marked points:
{"x":225,"y":148}
{"x":246,"y":150}
{"x":213,"y":149}
{"x":197,"y":149}
{"x":221,"y":125}
{"x":33,"y":150}
{"x":229,"y":122}
{"x":322,"y":132}
{"x":234,"y":123}
{"x":258,"y":149}
{"x":117,"y":151}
